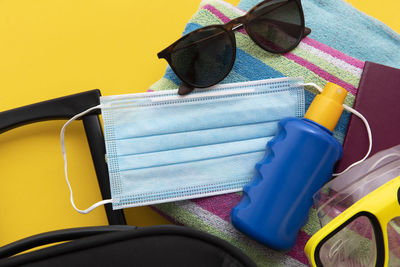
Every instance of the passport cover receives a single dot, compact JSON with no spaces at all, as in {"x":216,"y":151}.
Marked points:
{"x":378,"y":99}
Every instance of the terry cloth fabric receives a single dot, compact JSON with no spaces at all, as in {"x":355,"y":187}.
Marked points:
{"x":314,"y":61}
{"x":340,"y":26}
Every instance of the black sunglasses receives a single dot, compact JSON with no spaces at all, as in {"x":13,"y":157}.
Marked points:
{"x":205,"y":56}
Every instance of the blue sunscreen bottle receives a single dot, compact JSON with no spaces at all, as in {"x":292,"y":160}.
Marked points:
{"x":297,"y":162}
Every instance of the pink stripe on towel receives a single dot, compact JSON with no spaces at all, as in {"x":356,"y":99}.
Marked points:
{"x":217,"y":13}
{"x":335,"y":53}
{"x":219,"y":205}
{"x":297,"y":252}
{"x":320,"y":72}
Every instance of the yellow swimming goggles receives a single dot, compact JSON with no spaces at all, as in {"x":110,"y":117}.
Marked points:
{"x":360,"y":215}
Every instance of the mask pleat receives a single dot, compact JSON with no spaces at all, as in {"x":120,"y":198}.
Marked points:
{"x":158,"y":143}
{"x":194,"y":153}
{"x":194,"y":178}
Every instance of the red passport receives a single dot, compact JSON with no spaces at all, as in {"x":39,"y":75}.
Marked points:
{"x":378,"y":99}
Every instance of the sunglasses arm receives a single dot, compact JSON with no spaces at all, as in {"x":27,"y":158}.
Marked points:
{"x":163,"y":53}
{"x":307,"y":31}
{"x":185,"y":89}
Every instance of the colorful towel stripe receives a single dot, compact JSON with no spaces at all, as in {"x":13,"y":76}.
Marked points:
{"x":317,"y":63}
{"x":335,"y":53}
{"x":330,"y":59}
{"x":321,"y":73}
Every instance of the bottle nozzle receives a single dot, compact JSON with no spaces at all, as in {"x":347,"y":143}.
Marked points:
{"x":327,"y":107}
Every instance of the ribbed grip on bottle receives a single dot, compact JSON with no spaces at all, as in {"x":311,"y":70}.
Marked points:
{"x":327,"y":107}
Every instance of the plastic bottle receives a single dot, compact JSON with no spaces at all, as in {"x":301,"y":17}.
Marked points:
{"x":298,"y":161}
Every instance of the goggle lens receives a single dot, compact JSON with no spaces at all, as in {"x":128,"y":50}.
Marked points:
{"x":353,"y":245}
{"x":393,"y":229}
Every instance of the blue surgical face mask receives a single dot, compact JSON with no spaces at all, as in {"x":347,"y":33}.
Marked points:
{"x":163,"y":147}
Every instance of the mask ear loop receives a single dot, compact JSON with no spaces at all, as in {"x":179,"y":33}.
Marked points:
{"x":364,"y":120}
{"x":62,"y":138}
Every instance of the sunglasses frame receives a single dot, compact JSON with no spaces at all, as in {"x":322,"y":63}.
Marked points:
{"x":229,"y":28}
{"x":380,"y":207}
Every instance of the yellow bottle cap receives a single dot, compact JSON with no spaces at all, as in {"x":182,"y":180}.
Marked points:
{"x":327,"y":107}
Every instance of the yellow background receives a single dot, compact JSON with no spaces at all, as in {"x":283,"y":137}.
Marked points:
{"x":52,"y":48}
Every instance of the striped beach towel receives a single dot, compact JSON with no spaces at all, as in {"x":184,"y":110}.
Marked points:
{"x":317,"y":63}
{"x":341,"y":26}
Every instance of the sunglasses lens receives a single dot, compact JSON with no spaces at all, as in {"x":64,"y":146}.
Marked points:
{"x":353,"y":245}
{"x":203,"y":58}
{"x":276,"y":26}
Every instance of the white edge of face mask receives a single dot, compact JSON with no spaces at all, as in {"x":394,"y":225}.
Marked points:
{"x":166,"y":200}
{"x":219,"y":86}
